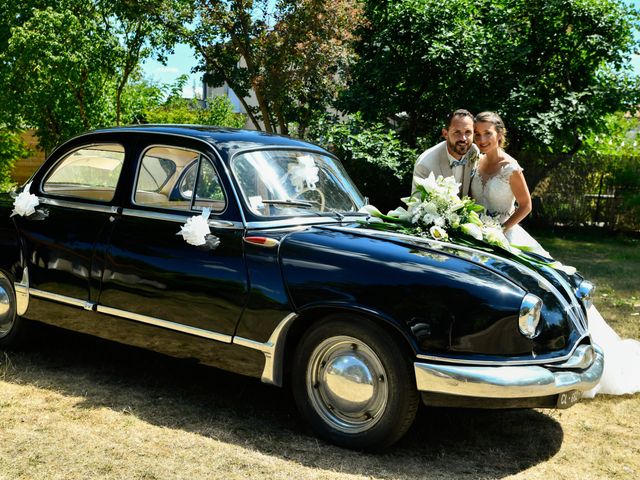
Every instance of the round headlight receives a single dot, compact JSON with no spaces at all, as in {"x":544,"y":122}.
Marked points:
{"x":585,"y":293}
{"x":529,"y":315}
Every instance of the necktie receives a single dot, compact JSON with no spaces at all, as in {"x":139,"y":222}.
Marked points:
{"x":459,"y":163}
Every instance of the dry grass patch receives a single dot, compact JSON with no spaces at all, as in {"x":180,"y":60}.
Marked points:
{"x":76,"y":407}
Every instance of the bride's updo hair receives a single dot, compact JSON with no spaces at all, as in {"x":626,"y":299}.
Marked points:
{"x":494,"y":119}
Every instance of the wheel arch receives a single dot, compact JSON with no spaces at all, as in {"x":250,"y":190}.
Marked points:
{"x":312,"y":316}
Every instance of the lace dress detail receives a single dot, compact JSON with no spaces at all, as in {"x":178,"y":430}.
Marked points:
{"x":494,"y":193}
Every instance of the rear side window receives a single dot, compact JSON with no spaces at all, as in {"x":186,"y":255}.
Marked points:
{"x":168,"y":176}
{"x":90,"y":173}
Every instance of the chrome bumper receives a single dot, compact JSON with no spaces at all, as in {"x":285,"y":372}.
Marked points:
{"x":520,"y":381}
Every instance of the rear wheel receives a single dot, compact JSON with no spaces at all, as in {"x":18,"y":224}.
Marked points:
{"x":354,"y":384}
{"x":11,"y":326}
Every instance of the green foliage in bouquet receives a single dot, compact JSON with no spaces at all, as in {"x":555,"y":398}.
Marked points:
{"x":436,"y":211}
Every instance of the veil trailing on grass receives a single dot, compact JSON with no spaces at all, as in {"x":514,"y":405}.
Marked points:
{"x":621,"y":359}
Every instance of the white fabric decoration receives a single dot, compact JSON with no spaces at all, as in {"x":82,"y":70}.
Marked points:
{"x":196,"y":229}
{"x":25,"y":203}
{"x":304,"y":172}
{"x":256,"y":202}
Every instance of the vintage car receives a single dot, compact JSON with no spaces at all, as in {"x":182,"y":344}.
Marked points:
{"x":247,"y":251}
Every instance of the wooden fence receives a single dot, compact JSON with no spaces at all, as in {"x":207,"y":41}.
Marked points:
{"x":26,"y":166}
{"x":590,"y":192}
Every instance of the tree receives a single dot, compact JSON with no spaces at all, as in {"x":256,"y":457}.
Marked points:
{"x":64,"y":65}
{"x":59,"y":69}
{"x":143,"y":27}
{"x":218,"y":111}
{"x":292,"y":57}
{"x":552,"y":68}
{"x":377,"y":160}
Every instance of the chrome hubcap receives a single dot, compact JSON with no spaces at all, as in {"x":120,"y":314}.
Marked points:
{"x":6,"y":312}
{"x":347,"y":384}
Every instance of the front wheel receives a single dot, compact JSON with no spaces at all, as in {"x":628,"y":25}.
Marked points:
{"x":352,"y":381}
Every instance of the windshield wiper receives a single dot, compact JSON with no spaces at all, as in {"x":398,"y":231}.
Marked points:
{"x":289,"y":202}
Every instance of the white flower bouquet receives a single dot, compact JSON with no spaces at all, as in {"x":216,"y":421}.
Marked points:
{"x":435,"y":211}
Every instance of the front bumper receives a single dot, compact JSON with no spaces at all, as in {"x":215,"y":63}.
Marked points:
{"x":581,"y":372}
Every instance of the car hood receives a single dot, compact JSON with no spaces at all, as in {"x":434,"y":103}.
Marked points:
{"x":563,"y":323}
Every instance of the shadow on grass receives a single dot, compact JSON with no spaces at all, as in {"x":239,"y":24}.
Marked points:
{"x":237,"y":410}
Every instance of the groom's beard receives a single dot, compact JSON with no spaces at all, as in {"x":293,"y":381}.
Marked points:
{"x":459,"y":148}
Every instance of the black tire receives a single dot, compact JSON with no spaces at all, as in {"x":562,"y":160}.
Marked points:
{"x":354,"y":384}
{"x":12,"y":327}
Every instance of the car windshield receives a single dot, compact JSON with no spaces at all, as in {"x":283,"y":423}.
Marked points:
{"x":278,"y":183}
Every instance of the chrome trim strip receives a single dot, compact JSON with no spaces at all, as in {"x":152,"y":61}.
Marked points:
{"x":462,"y":361}
{"x":582,"y":358}
{"x":78,"y":205}
{"x":62,"y":299}
{"x":22,"y":293}
{"x":232,"y":183}
{"x":505,"y":382}
{"x":273,"y":350}
{"x":311,"y":220}
{"x":177,"y":218}
{"x":575,"y":306}
{"x":136,"y":317}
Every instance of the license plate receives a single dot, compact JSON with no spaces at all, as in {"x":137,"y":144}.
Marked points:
{"x":567,"y":399}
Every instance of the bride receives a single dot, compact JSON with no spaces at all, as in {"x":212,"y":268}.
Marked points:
{"x":498,"y":184}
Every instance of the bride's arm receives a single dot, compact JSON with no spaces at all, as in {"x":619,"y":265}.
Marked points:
{"x":521,"y":192}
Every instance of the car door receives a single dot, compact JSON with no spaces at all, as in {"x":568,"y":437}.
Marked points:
{"x":59,"y":241}
{"x":151,"y":274}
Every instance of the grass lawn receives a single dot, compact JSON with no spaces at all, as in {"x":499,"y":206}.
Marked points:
{"x":76,"y":407}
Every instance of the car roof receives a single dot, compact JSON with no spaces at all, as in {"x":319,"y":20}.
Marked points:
{"x":225,"y":140}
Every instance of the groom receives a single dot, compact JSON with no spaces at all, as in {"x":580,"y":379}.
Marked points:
{"x":455,"y":157}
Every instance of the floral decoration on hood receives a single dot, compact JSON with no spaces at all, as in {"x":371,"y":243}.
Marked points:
{"x":436,"y":211}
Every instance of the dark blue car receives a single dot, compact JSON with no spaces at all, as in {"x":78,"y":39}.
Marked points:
{"x":247,"y":251}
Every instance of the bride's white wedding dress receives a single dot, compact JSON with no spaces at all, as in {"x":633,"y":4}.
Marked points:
{"x":621,"y":357}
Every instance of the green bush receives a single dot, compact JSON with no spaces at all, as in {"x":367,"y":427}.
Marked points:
{"x":218,"y":112}
{"x":376,"y":159}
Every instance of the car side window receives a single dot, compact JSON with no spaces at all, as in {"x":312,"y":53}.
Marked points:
{"x":168,"y":176}
{"x":89,"y":173}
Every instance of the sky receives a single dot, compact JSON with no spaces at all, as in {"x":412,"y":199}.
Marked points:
{"x":184,"y":59}
{"x":181,"y":62}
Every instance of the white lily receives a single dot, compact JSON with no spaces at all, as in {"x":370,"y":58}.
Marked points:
{"x":371,"y":210}
{"x":429,"y":183}
{"x":438,"y":233}
{"x":471,"y":230}
{"x":400,"y":213}
{"x":495,"y":236}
